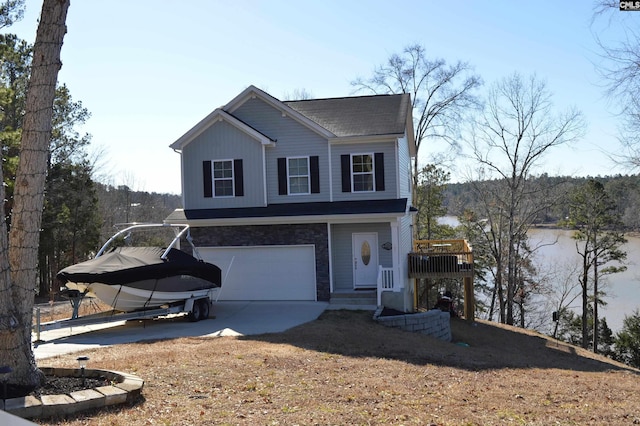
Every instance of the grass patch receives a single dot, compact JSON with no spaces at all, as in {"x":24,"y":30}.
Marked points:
{"x":346,"y":369}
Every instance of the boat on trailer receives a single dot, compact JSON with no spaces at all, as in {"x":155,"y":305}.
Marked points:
{"x":132,"y":278}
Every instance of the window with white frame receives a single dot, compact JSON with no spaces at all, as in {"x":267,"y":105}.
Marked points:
{"x":298,"y":175}
{"x":223,"y":178}
{"x":362,"y":172}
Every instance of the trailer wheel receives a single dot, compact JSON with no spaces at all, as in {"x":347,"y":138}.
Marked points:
{"x":204,"y":309}
{"x":196,"y":312}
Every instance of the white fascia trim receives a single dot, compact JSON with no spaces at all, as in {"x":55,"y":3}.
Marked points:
{"x":253,"y":92}
{"x":410,"y":132}
{"x":242,"y":97}
{"x":214,"y":117}
{"x":285,"y":220}
{"x":366,"y":139}
{"x":411,"y":141}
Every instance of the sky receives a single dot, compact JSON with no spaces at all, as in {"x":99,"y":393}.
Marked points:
{"x":149,"y":70}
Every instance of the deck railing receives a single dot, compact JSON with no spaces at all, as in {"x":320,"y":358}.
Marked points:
{"x":440,"y":259}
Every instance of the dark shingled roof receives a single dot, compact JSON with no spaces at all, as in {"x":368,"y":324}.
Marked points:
{"x":357,"y":116}
{"x":297,"y":209}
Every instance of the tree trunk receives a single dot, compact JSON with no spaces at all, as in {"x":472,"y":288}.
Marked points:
{"x":492,"y":306}
{"x":595,"y":304}
{"x":585,"y":304}
{"x":15,"y":340}
{"x":511,"y":268}
{"x":501,"y":301}
{"x":8,"y":317}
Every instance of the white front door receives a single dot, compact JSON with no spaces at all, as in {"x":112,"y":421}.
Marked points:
{"x":365,"y":259}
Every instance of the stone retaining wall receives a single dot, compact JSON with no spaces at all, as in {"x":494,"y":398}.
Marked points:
{"x":124,"y":388}
{"x":434,"y":323}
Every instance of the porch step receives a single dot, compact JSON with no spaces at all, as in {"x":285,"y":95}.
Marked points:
{"x":360,"y":299}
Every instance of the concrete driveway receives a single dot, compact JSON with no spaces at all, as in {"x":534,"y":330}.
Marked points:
{"x":226,"y":319}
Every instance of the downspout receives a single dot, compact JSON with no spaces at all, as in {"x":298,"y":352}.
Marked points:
{"x":179,"y":151}
{"x":264,"y":174}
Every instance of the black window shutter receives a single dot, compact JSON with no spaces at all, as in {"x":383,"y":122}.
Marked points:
{"x":315,"y":174}
{"x":239,"y":178}
{"x":207,"y":179}
{"x":379,"y":165}
{"x":282,"y":176}
{"x":345,"y":164}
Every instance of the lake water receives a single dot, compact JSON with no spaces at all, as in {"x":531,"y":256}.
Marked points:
{"x":622,"y":289}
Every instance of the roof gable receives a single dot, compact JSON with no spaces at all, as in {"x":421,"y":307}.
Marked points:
{"x":331,"y":118}
{"x":253,"y":92}
{"x":216,"y":116}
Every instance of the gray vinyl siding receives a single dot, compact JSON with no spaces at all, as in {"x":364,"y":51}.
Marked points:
{"x":406,"y":246}
{"x":223,"y":141}
{"x":390,"y":167}
{"x":342,"y":252}
{"x":404,"y":169}
{"x":292,"y":140}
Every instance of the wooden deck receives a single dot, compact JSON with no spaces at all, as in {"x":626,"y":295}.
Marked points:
{"x":431,"y":259}
{"x":441,"y":259}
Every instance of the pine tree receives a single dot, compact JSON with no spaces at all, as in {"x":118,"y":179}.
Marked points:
{"x":18,"y":259}
{"x":598,"y":242}
{"x":627,"y":341}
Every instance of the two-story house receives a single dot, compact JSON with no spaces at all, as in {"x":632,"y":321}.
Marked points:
{"x":302,"y":200}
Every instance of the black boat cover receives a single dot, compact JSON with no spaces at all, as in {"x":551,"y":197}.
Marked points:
{"x":125,"y":265}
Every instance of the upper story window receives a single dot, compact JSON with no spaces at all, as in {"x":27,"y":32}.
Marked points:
{"x":362,"y":172}
{"x":298,"y":175}
{"x":223,"y":178}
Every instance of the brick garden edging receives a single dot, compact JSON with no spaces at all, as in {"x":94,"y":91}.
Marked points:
{"x":434,"y":323}
{"x":125,"y":388}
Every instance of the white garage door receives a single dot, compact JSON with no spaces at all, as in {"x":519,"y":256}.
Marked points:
{"x":265,"y":272}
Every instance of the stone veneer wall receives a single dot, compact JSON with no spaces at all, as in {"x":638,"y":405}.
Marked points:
{"x":434,"y":323}
{"x":259,"y":235}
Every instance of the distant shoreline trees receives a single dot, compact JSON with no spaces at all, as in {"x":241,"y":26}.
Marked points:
{"x":624,"y":191}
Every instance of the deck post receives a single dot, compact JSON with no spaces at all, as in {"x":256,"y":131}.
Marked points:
{"x":469,"y":299}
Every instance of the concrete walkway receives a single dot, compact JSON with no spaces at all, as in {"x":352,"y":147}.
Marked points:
{"x":226,"y":319}
{"x":7,"y":419}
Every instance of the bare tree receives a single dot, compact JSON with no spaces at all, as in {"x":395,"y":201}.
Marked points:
{"x":516,"y":129}
{"x":560,"y":290}
{"x":620,"y":70}
{"x":298,"y":95}
{"x":440,"y":93}
{"x":18,"y":281}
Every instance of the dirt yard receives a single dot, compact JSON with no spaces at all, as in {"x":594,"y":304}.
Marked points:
{"x":346,"y":369}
